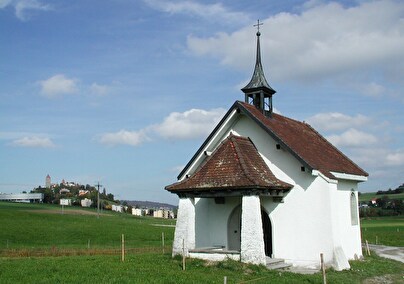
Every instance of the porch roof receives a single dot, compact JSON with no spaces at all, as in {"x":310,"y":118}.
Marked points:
{"x":235,"y":165}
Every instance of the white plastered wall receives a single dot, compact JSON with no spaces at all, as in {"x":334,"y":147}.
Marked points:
{"x":212,"y":220}
{"x":301,"y":227}
{"x":349,"y":234}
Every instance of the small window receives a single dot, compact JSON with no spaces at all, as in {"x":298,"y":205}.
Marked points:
{"x":354,"y":209}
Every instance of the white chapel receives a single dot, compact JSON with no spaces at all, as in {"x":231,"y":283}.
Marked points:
{"x":264,"y":186}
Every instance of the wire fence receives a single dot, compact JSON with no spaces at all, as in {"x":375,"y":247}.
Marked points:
{"x":55,"y":251}
{"x":11,"y":248}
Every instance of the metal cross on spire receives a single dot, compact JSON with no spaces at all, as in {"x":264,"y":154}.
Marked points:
{"x":258,"y":26}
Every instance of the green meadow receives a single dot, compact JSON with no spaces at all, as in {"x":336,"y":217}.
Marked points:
{"x":36,"y":226}
{"x":387,"y":231}
{"x":39,"y":244}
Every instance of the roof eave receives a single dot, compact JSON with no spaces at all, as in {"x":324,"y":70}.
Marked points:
{"x":353,"y":177}
{"x":231,"y":191}
{"x":250,"y":89}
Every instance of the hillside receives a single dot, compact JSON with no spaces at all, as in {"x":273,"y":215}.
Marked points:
{"x":366,"y":197}
{"x":148,"y":204}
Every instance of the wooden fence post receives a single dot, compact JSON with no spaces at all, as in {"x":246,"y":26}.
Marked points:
{"x":367,"y":247}
{"x":323,"y":268}
{"x":123,"y":248}
{"x":225,"y":280}
{"x":162,"y":241}
{"x":183,"y":254}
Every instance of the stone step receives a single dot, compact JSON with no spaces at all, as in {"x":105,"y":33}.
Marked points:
{"x":276,"y":263}
{"x":274,"y":260}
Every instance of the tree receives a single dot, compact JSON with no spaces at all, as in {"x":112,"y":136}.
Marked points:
{"x":110,"y":197}
{"x":48,"y":193}
{"x":382,"y":202}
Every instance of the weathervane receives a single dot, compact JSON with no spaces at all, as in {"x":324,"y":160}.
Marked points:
{"x":258,"y":26}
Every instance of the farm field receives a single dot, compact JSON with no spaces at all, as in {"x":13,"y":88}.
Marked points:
{"x":27,"y":229}
{"x":36,"y":226}
{"x":387,"y":231}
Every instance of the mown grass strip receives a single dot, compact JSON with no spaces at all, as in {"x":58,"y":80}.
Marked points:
{"x":159,"y":268}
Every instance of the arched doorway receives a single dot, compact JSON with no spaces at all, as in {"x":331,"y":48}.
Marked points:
{"x":267,"y":229}
{"x":234,"y":230}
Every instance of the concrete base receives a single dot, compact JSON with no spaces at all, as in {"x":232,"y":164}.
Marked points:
{"x":214,"y":254}
{"x":340,"y":261}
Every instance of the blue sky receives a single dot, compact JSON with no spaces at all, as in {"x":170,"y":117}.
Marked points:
{"x":124,"y":92}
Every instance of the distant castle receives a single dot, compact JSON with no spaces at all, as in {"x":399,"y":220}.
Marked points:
{"x":48,"y":181}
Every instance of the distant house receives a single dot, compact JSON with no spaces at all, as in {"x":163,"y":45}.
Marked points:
{"x":66,"y":202}
{"x":117,"y":208}
{"x":22,"y":197}
{"x":373,"y":201}
{"x":64,"y":190}
{"x":158,"y":213}
{"x":138,"y":212}
{"x":83,"y":192}
{"x":86,"y":202}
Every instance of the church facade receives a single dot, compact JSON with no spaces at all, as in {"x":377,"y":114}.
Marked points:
{"x":266,"y":186}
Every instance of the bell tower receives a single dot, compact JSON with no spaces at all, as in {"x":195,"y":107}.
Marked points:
{"x":258,"y":92}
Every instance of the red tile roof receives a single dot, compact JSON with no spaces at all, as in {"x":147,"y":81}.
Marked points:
{"x":306,"y":144}
{"x":235,"y":164}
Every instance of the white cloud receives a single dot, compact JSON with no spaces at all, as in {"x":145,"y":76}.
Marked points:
{"x":4,"y":3}
{"x":214,"y":12}
{"x":337,"y":121}
{"x":176,"y":169}
{"x":34,"y":142}
{"x":124,"y":137}
{"x":191,"y":124}
{"x":100,"y":90}
{"x":24,"y":8}
{"x":58,"y":85}
{"x":352,"y":138}
{"x":372,"y":90}
{"x":395,"y":158}
{"x":323,"y":40}
{"x":378,"y":158}
{"x":194,"y":123}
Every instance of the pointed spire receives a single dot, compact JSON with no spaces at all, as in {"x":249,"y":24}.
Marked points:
{"x":258,"y":90}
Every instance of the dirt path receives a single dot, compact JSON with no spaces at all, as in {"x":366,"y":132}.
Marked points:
{"x":66,"y":212}
{"x":396,"y":253}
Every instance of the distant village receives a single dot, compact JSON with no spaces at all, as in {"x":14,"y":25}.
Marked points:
{"x":67,"y":193}
{"x":383,"y":203}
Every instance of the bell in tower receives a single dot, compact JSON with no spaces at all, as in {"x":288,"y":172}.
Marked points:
{"x":258,"y":92}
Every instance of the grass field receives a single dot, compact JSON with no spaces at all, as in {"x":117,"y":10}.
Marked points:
{"x":159,"y":268}
{"x":33,"y":226}
{"x":26,"y":227}
{"x":387,"y":231}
